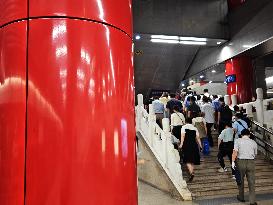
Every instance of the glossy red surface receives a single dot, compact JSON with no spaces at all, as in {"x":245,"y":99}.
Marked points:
{"x":232,"y":4}
{"x":81,"y":131}
{"x":12,"y":113}
{"x":117,"y":13}
{"x":12,"y":10}
{"x":242,"y":68}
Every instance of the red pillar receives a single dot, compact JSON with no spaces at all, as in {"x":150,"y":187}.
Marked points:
{"x":240,"y":68}
{"x":67,"y":133}
{"x":232,"y":4}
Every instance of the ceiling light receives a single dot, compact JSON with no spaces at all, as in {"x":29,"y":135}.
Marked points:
{"x":193,"y":39}
{"x":201,"y":76}
{"x":183,"y":85}
{"x":247,"y":46}
{"x":193,"y":42}
{"x":137,"y":37}
{"x":210,"y":81}
{"x":213,"y":71}
{"x":219,"y":42}
{"x":164,"y":41}
{"x":164,"y":37}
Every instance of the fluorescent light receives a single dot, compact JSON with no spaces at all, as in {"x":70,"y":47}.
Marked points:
{"x":193,"y":39}
{"x":193,"y":42}
{"x":269,"y":79}
{"x":247,"y":46}
{"x":183,"y":85}
{"x":210,"y":81}
{"x":213,"y":71}
{"x":164,"y":37}
{"x":218,"y":43}
{"x":137,"y":37}
{"x":201,"y":76}
{"x":164,"y":41}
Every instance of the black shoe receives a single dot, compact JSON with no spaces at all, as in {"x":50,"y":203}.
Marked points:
{"x":241,"y":200}
{"x":191,"y":177}
{"x":254,"y":203}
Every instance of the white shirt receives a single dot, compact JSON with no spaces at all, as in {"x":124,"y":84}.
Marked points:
{"x":189,"y":127}
{"x":177,"y":119}
{"x":208,"y":110}
{"x":246,"y":148}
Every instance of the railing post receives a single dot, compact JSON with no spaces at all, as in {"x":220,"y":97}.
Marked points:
{"x":233,"y":99}
{"x":138,"y":111}
{"x":259,"y":106}
{"x":152,"y":121}
{"x":140,"y":100}
{"x":227,"y":99}
{"x":248,"y":108}
{"x":167,"y":135}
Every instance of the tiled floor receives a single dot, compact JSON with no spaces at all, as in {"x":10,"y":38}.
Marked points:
{"x":151,"y":196}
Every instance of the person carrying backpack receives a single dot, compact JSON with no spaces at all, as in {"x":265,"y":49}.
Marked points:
{"x":224,"y":115}
{"x":239,"y":125}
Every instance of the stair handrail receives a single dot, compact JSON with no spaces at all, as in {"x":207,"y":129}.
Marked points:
{"x":160,"y":143}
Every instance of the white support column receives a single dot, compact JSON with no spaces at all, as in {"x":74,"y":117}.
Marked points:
{"x":165,"y":137}
{"x":259,"y":106}
{"x":140,"y":100}
{"x":248,"y":108}
{"x":227,"y":99}
{"x":152,"y":121}
{"x":233,"y":99}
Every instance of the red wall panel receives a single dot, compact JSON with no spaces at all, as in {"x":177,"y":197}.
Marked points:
{"x":12,"y":113}
{"x":81,"y":133}
{"x":12,"y":10}
{"x":117,"y":13}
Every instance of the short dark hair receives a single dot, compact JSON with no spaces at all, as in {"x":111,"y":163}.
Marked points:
{"x":189,"y":120}
{"x":239,"y":115}
{"x":192,"y":98}
{"x":198,"y":97}
{"x":245,"y":132}
{"x":176,"y":108}
{"x":206,"y":90}
{"x":229,"y":124}
{"x":156,"y":97}
{"x":172,"y":95}
{"x":205,"y":99}
{"x":215,"y":96}
{"x":221,"y":99}
{"x":236,"y":108}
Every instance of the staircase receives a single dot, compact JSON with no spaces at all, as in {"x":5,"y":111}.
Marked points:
{"x":208,"y":183}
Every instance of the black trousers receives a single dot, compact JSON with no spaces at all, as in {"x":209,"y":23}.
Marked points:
{"x":225,"y":149}
{"x":209,"y":126}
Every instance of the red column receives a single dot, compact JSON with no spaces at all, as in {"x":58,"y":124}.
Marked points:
{"x":232,"y":4}
{"x":67,"y":127}
{"x":240,"y":68}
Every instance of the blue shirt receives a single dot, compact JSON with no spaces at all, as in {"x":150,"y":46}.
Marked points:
{"x":236,"y":125}
{"x":216,"y":105}
{"x":158,"y":106}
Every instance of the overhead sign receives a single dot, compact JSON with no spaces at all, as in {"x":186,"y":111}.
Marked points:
{"x":230,"y":78}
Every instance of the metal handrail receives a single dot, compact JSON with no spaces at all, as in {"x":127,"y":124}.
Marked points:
{"x":259,"y":125}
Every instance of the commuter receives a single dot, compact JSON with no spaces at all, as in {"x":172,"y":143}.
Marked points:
{"x":190,"y":145}
{"x":200,"y":123}
{"x":208,"y":112}
{"x":199,"y":101}
{"x":193,"y":109}
{"x":177,"y":121}
{"x":239,"y":125}
{"x":224,"y":115}
{"x":172,"y":102}
{"x":245,"y":151}
{"x":158,"y":107}
{"x":216,"y":105}
{"x":225,"y":147}
{"x":206,"y":93}
{"x":164,"y":98}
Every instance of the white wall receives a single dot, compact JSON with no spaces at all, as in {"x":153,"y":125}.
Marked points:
{"x":214,"y":88}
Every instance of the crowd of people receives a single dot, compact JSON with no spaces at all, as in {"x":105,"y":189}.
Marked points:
{"x":192,"y":119}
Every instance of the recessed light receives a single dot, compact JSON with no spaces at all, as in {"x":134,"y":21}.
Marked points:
{"x":210,"y":81}
{"x":218,"y":43}
{"x":183,"y":85}
{"x":137,"y":37}
{"x":201,"y":76}
{"x":213,"y":71}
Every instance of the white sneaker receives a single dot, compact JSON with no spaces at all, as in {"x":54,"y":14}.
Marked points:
{"x":221,"y":170}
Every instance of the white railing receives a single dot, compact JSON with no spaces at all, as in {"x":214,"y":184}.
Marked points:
{"x":160,"y":143}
